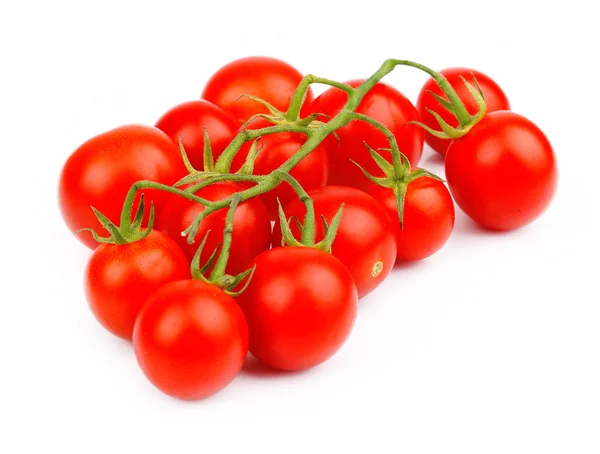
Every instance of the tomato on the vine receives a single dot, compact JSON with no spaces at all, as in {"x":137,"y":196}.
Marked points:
{"x":365,"y":242}
{"x":119,"y":278}
{"x":269,"y":79}
{"x":189,"y":119}
{"x":190,"y":339}
{"x":495,"y":99}
{"x":311,"y":172}
{"x":428,"y":217}
{"x":503,"y":173}
{"x":101,"y":171}
{"x":385,"y":105}
{"x":301,"y":305}
{"x":251,"y":226}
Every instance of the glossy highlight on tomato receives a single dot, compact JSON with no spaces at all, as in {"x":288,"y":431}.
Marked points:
{"x":503,"y":173}
{"x":301,"y":305}
{"x":365,"y":242}
{"x":267,"y":78}
{"x":119,"y":278}
{"x":102,"y":170}
{"x":190,"y":339}
{"x":382,"y":103}
{"x":495,"y":99}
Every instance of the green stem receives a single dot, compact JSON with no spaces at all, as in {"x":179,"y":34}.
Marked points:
{"x":224,"y":162}
{"x":219,"y":269}
{"x":308,"y":230}
{"x":293,"y":112}
{"x":223,"y":177}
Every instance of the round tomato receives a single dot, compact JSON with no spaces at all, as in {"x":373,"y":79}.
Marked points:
{"x":275,"y":149}
{"x":495,"y":99}
{"x":190,"y":339}
{"x":382,"y":103}
{"x":189,"y":120}
{"x":102,"y":170}
{"x":428,"y":217}
{"x":365,"y":242}
{"x":120,"y":278}
{"x":300,"y":306}
{"x":251,"y":226}
{"x":266,"y":78}
{"x":503,"y":173}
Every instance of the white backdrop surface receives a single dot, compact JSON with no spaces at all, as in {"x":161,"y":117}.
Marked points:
{"x":490,"y":346}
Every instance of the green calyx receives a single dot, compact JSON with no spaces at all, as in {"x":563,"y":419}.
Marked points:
{"x":396,"y":177}
{"x":218,"y":277}
{"x":455,"y":106}
{"x":128,"y":231}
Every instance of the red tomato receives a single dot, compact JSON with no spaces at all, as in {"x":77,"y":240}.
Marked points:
{"x":190,"y":339}
{"x":384,"y":104}
{"x":189,"y":120}
{"x":267,"y":78}
{"x":120,"y":278}
{"x":102,"y":170}
{"x":365,"y":242}
{"x":495,"y":99}
{"x":300,"y":306}
{"x":311,"y":172}
{"x":428,"y":217}
{"x":251,"y":225}
{"x":503,"y":173}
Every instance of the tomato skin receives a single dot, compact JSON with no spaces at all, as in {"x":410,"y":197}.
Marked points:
{"x":270,"y":79}
{"x":382,"y":103}
{"x":503,"y":173}
{"x":189,"y":120}
{"x":301,"y":305}
{"x":190,"y":339}
{"x":102,"y":170}
{"x":311,"y":172}
{"x":120,"y":278}
{"x":365,"y":236}
{"x":251,"y":226}
{"x":495,"y":99}
{"x":428,"y":217}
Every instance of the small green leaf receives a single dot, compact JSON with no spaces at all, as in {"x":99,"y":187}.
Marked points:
{"x":286,"y":232}
{"x":210,"y":260}
{"x":433,"y":132}
{"x":272,"y":109}
{"x":186,"y":161}
{"x":139,"y":216}
{"x":443,"y":101}
{"x":110,"y":227}
{"x":209,"y":161}
{"x":383,"y":164}
{"x":238,"y":279}
{"x":381,"y":181}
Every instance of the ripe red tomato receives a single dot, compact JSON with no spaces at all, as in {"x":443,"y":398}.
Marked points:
{"x":267,"y":78}
{"x":384,"y":104}
{"x":495,"y":99}
{"x":428,"y":217}
{"x":311,"y":172}
{"x":300,"y":306}
{"x":189,"y":120}
{"x":251,"y":226}
{"x":102,"y":170}
{"x":503,"y":173}
{"x":120,"y":278}
{"x":190,"y":339}
{"x":365,"y":242}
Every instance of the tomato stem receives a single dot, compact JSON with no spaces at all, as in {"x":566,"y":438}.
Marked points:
{"x":219,"y":269}
{"x":299,"y":96}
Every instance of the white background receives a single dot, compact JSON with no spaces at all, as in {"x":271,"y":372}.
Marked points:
{"x":490,"y":346}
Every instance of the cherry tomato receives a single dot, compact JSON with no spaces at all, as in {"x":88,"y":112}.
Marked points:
{"x":365,"y":242}
{"x":120,"y":278}
{"x":428,"y":217}
{"x":300,"y":306}
{"x":189,"y":120}
{"x":190,"y":339}
{"x":311,"y":172}
{"x":266,"y":78}
{"x":382,"y":103}
{"x":102,"y":170}
{"x":251,"y":226}
{"x":503,"y":173}
{"x":495,"y":99}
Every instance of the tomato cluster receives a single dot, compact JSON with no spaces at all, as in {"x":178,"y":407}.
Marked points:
{"x":186,"y":264}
